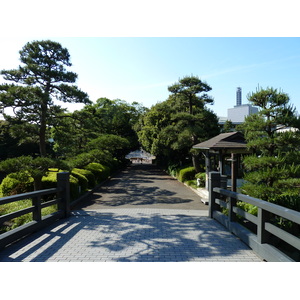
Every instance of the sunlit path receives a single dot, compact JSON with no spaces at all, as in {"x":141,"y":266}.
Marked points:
{"x":140,"y":215}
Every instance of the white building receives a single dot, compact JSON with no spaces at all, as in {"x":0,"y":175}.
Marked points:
{"x":238,"y":113}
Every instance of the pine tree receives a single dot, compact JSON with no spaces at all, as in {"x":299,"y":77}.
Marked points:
{"x":41,"y":79}
{"x":273,"y":171}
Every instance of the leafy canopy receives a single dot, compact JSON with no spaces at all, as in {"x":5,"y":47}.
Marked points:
{"x":37,"y":83}
{"x":273,"y":134}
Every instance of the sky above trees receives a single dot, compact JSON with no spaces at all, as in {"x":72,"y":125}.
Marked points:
{"x":141,"y":69}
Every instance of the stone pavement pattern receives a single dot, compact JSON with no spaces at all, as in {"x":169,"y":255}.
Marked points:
{"x":141,"y":214}
{"x":132,"y":235}
{"x":143,"y":186}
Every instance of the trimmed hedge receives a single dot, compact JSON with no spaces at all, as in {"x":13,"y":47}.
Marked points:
{"x":88,"y":175}
{"x":186,"y":174}
{"x":100,"y":172}
{"x":50,"y":181}
{"x":82,"y":180}
{"x":13,"y":184}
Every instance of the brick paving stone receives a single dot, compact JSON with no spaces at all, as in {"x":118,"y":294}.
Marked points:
{"x":133,"y":235}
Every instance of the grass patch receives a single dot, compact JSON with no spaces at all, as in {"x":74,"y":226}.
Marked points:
{"x":192,"y":183}
{"x":18,"y":205}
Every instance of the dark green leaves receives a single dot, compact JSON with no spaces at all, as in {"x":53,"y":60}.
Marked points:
{"x":274,"y":169}
{"x":42,"y":78}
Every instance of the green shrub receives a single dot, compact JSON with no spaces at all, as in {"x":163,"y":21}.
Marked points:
{"x":247,"y":207}
{"x":19,"y":205}
{"x":50,"y":181}
{"x":82,"y":180}
{"x":88,"y":175}
{"x":173,"y":170}
{"x":186,"y":174}
{"x":100,"y":172}
{"x":14,"y":184}
{"x":202,"y":177}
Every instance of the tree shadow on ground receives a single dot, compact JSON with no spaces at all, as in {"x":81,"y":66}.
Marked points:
{"x":127,"y":238}
{"x":135,"y":196}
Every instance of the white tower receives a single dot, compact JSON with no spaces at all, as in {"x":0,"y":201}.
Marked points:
{"x":238,"y":96}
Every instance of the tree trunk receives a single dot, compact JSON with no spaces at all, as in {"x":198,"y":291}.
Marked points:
{"x":43,"y":125}
{"x":190,"y":105}
{"x":196,"y":163}
{"x":43,"y":141}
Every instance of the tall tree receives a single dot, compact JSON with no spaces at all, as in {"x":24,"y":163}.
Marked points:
{"x":41,"y":79}
{"x":191,"y":90}
{"x":170,"y":128}
{"x":273,"y":172}
{"x":190,"y":96}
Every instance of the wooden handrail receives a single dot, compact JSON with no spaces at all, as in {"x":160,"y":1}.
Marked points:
{"x":261,"y":241}
{"x":62,"y":192}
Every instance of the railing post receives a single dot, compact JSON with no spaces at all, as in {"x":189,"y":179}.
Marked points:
{"x":213,"y":181}
{"x":231,"y":214}
{"x":63,"y":184}
{"x":262,"y":217}
{"x":37,"y":213}
{"x":223,"y":182}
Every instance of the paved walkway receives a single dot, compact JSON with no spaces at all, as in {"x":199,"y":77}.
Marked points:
{"x":117,"y":227}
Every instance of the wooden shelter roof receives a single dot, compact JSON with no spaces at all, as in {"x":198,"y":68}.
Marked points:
{"x":231,"y":140}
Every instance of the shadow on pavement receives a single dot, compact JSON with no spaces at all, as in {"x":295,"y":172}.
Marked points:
{"x":122,"y":237}
{"x":142,"y":185}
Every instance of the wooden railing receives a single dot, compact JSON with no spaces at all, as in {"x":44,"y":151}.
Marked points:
{"x":61,"y":195}
{"x":267,"y":240}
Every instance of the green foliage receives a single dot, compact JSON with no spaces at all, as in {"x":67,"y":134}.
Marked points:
{"x":102,"y":156}
{"x":186,"y":174}
{"x":109,"y":143}
{"x":170,"y":128}
{"x":88,"y":175}
{"x":41,"y":78}
{"x":249,"y":208}
{"x":228,"y":126}
{"x":202,"y":177}
{"x":82,"y":180}
{"x":15,"y":183}
{"x":273,"y":172}
{"x":50,"y":181}
{"x":30,"y":167}
{"x":19,"y":205}
{"x":12,"y":207}
{"x":81,"y":160}
{"x":103,"y":118}
{"x":188,"y":89}
{"x":173,"y":170}
{"x":100,"y":172}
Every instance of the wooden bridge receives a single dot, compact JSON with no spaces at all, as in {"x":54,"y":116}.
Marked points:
{"x":142,"y":214}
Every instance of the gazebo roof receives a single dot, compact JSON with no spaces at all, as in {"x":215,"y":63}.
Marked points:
{"x":139,"y":154}
{"x":229,"y":141}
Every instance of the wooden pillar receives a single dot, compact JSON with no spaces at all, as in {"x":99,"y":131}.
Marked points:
{"x":221,"y":162}
{"x":63,"y":184}
{"x":214,"y":181}
{"x":207,"y":168}
{"x":233,"y":172}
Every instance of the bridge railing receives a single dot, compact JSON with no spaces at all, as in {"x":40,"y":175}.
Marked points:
{"x":60,"y":196}
{"x":266,"y":237}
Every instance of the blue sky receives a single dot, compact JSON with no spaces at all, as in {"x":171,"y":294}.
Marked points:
{"x":141,"y":69}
